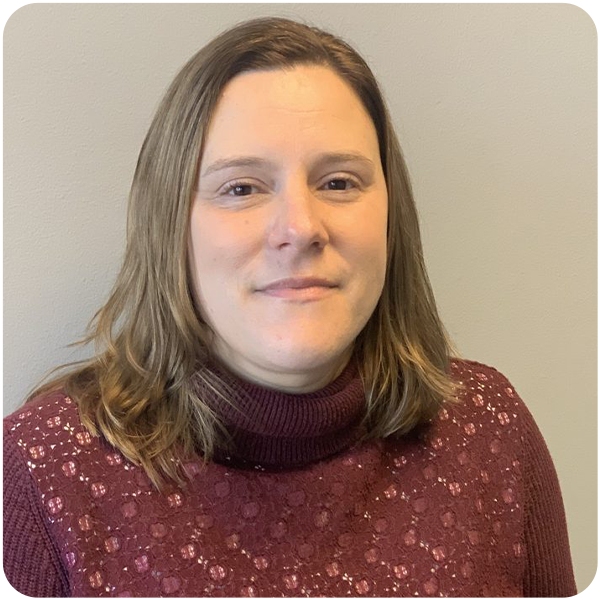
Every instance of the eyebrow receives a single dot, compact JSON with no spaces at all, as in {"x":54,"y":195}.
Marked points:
{"x":325,"y":158}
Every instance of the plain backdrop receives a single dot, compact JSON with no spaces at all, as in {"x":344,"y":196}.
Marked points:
{"x":494,"y":106}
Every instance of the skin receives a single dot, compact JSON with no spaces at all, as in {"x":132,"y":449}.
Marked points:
{"x":294,"y":218}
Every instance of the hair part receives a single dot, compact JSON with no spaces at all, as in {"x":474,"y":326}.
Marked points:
{"x":143,"y":389}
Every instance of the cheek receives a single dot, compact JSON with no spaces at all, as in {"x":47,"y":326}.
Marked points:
{"x":204,"y":253}
{"x":212,"y":238}
{"x":369,"y":238}
{"x":219,"y":248}
{"x":371,"y":253}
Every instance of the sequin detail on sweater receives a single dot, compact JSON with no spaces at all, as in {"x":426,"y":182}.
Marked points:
{"x":469,"y":507}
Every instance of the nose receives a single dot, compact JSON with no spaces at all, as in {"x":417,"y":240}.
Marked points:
{"x":298,"y":218}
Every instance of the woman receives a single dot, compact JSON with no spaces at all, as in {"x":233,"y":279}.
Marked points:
{"x":280,"y":411}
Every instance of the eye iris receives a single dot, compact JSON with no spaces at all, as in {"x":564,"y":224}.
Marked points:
{"x":240,"y":186}
{"x":344,"y":180}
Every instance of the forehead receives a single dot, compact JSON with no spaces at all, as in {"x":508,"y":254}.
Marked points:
{"x":285,"y":109}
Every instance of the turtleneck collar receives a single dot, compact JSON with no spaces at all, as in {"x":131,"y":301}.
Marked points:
{"x":282,"y":430}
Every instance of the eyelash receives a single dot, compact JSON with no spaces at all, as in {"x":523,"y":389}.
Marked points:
{"x":235,"y":184}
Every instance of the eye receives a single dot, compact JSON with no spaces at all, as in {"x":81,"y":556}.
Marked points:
{"x":240,"y":185}
{"x":236,"y":184}
{"x":346,"y":179}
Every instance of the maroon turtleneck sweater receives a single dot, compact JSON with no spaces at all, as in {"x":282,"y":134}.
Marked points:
{"x":470,"y":506}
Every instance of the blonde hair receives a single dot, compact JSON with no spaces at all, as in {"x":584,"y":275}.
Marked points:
{"x":143,"y":389}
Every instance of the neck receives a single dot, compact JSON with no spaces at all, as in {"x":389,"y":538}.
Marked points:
{"x":276,"y":429}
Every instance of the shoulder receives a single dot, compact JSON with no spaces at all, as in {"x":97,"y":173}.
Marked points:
{"x":43,"y":405}
{"x":485,"y":383}
{"x":494,"y":399}
{"x":472,"y":372}
{"x":47,"y":411}
{"x":48,"y":422}
{"x":32,"y":562}
{"x":490,"y":402}
{"x":31,"y":435}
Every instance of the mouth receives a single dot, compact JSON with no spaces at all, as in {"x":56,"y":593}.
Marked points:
{"x":305,"y":294}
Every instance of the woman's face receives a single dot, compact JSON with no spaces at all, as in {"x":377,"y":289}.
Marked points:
{"x":294,"y":210}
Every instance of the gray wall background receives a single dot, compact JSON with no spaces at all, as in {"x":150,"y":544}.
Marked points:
{"x":494,"y":105}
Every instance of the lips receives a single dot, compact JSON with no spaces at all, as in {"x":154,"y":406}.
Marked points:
{"x":305,"y":294}
{"x":299,"y":283}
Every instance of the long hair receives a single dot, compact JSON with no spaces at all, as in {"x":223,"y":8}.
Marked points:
{"x":143,"y":389}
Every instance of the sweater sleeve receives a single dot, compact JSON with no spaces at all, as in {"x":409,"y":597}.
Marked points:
{"x":31,"y":560}
{"x":549,"y":567}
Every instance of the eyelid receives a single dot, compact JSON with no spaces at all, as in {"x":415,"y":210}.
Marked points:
{"x":346,"y":176}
